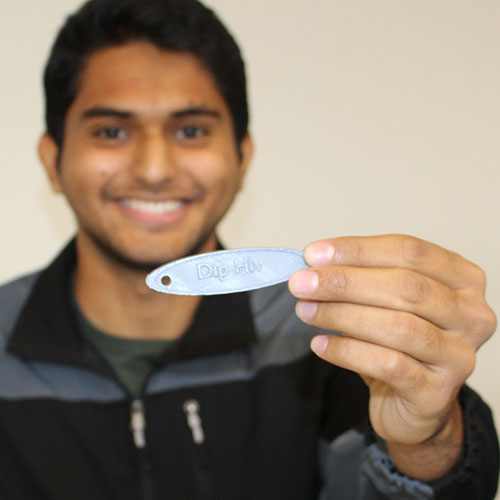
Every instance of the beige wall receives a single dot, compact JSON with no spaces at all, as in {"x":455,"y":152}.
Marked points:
{"x":370,"y":117}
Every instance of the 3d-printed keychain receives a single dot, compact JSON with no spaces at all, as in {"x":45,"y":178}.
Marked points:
{"x":226,"y":271}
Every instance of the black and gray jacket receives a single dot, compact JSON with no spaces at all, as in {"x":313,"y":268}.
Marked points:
{"x":238,"y":409}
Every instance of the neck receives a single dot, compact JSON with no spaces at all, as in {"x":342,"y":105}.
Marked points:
{"x":115,"y":298}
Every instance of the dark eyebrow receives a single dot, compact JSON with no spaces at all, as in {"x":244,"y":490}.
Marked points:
{"x":196,"y":111}
{"x":99,"y":111}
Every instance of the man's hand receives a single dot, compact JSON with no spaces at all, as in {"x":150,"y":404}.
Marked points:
{"x":412,"y":315}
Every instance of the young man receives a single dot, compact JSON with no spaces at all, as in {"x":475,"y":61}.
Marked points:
{"x":112,"y":391}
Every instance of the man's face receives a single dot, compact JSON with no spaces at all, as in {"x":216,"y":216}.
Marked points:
{"x":149,"y":163}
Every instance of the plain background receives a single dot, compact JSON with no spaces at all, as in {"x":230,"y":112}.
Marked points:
{"x":369,"y":117}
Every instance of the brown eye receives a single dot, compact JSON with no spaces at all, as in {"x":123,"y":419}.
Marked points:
{"x":191,"y":132}
{"x":113,"y":133}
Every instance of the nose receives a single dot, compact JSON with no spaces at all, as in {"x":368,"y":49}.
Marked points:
{"x":154,"y":163}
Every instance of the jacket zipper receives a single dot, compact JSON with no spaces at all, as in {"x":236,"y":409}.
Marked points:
{"x":192,"y":411}
{"x":138,"y":428}
{"x":191,"y":408}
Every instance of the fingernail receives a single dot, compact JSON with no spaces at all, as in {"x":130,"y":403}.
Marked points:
{"x":319,"y":254}
{"x":319,"y":344}
{"x":304,"y":282}
{"x":306,"y":310}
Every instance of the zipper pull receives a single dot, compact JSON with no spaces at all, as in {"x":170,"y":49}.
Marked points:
{"x":192,"y":410}
{"x":138,"y":423}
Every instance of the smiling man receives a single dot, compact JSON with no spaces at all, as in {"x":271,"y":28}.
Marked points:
{"x":150,"y":163}
{"x":109,"y":390}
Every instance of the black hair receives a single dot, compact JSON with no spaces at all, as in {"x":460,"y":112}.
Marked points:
{"x":178,"y":25}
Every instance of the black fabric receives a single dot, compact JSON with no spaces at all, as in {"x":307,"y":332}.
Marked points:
{"x":47,"y":329}
{"x":247,"y":453}
{"x":262,"y":427}
{"x":480,"y":441}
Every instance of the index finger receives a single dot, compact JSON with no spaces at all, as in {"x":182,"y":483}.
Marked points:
{"x":397,"y":251}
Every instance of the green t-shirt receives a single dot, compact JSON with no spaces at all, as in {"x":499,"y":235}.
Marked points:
{"x":131,"y":360}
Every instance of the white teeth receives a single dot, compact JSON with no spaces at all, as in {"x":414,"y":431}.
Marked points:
{"x":153,"y":207}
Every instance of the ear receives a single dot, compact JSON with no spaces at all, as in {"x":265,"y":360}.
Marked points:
{"x":48,"y":152}
{"x":247,"y":151}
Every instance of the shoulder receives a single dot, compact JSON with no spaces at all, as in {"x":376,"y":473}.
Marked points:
{"x":13,"y":296}
{"x":282,"y":336}
{"x":273,"y":308}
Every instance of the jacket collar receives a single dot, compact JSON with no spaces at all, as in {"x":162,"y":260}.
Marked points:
{"x":47,"y":330}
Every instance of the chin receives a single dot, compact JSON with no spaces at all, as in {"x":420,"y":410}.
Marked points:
{"x":145,"y":260}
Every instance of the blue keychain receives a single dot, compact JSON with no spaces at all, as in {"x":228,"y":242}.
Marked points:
{"x":226,"y":271}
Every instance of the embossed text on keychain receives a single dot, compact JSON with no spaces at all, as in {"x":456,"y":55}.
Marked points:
{"x":226,"y":271}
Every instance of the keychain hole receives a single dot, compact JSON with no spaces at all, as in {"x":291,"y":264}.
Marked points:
{"x":166,"y":281}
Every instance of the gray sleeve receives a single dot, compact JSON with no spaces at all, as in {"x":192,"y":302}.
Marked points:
{"x":356,"y":465}
{"x":354,"y":471}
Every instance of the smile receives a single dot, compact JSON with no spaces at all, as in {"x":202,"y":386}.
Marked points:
{"x":152,"y":207}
